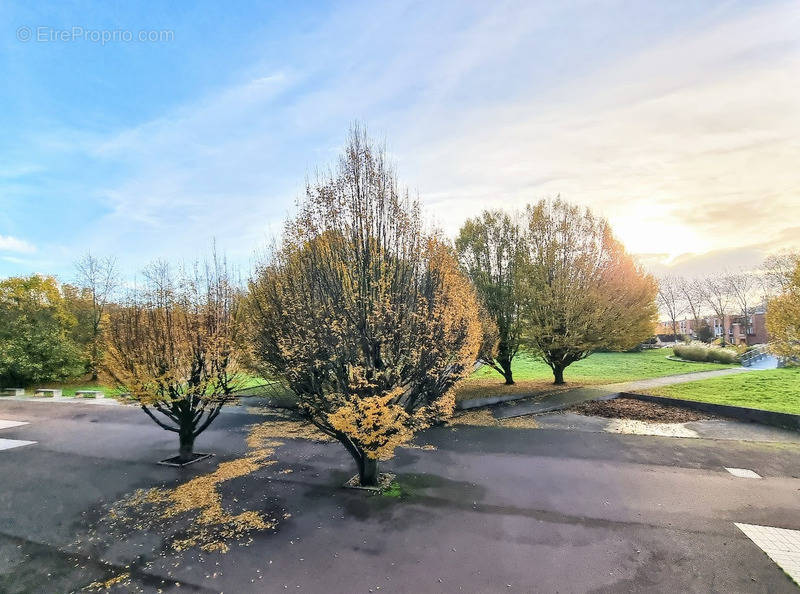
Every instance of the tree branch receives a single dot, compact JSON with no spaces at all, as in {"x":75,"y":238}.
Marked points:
{"x":158,"y":422}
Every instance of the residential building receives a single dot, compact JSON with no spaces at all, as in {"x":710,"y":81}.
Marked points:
{"x":733,"y":328}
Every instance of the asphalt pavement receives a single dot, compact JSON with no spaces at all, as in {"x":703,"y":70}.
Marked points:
{"x":483,"y":509}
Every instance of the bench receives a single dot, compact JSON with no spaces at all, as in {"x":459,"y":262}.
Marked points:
{"x":88,"y":394}
{"x":12,"y":392}
{"x":47,"y":393}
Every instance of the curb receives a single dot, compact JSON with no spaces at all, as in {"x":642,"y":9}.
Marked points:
{"x":679,"y":360}
{"x":489,"y":400}
{"x":753,"y":415}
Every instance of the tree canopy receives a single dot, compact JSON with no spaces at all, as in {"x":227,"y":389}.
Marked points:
{"x":490,"y":252}
{"x":171,"y":347}
{"x":36,"y":345}
{"x":363,"y":314}
{"x":583,"y":292}
{"x":783,"y":318}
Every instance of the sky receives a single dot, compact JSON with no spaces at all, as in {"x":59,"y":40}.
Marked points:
{"x":678,"y":121}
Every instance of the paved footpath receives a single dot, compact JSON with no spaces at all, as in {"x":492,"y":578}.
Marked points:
{"x":669,"y":380}
{"x":569,"y":398}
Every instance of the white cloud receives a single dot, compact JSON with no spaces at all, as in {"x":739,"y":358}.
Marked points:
{"x":13,"y":244}
{"x":688,"y":145}
{"x":230,"y":164}
{"x":700,"y":265}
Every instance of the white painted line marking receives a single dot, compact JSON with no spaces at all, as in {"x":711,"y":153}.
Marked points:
{"x":780,"y":544}
{"x":742,"y":472}
{"x":7,"y":444}
{"x":8,"y":424}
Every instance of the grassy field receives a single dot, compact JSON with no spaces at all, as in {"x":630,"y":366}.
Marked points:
{"x":605,"y":367}
{"x":771,"y":389}
{"x":533,"y":376}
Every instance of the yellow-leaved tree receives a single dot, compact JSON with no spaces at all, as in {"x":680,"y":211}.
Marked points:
{"x":361,"y":313}
{"x":171,"y":347}
{"x":783,"y":318}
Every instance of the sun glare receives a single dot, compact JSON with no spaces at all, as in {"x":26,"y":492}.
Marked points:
{"x":646,"y":235}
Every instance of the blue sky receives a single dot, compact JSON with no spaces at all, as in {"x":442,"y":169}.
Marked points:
{"x":678,"y":120}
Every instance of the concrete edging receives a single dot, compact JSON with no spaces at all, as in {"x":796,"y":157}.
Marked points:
{"x":489,"y":400}
{"x":753,"y":415}
{"x":679,"y":360}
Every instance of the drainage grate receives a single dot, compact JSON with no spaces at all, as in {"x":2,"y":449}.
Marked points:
{"x":780,"y":544}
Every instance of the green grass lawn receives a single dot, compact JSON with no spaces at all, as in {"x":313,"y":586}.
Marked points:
{"x":532,"y":376}
{"x":602,"y":367}
{"x":770,"y":389}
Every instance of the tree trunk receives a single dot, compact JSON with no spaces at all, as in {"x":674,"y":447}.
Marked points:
{"x":186,"y":451}
{"x":95,"y":356}
{"x":367,"y":467}
{"x":506,"y":367}
{"x":558,"y":374}
{"x":368,"y":472}
{"x":504,"y":360}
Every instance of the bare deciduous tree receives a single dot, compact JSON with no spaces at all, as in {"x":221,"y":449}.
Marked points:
{"x":99,"y":277}
{"x":716,"y":294}
{"x":776,"y":272}
{"x":693,"y":295}
{"x":742,"y":287}
{"x":670,"y":298}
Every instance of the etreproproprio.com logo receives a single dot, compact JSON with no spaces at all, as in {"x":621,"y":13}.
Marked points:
{"x":45,"y":34}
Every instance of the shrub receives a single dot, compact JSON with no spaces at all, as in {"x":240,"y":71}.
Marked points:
{"x":691,"y":352}
{"x":698,"y":352}
{"x":726,"y":356}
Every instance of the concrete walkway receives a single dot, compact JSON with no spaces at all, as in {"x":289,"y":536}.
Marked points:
{"x":669,"y":380}
{"x":561,"y":400}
